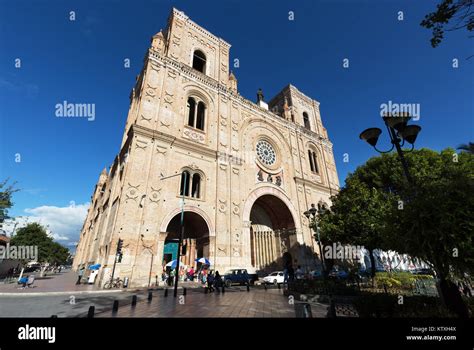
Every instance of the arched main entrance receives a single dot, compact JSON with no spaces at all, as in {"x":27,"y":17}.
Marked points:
{"x":272,"y":232}
{"x":196,"y":239}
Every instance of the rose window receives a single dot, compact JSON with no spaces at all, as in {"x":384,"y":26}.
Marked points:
{"x":265,"y":152}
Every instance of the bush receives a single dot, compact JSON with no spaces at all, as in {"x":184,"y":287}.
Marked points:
{"x":381,"y":281}
{"x":386,"y":305}
{"x":423,"y":277}
{"x":404,"y":280}
{"x":321,"y":287}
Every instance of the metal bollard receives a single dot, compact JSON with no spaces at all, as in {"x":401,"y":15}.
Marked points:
{"x":223,"y":289}
{"x":248,"y":287}
{"x":332,"y":308}
{"x":166,"y":292}
{"x":279,"y":285}
{"x":184,"y":291}
{"x":265,"y":286}
{"x":134,"y":301}
{"x":307,"y":311}
{"x":90,"y":313}
{"x":150,"y":296}
{"x":115,"y":306}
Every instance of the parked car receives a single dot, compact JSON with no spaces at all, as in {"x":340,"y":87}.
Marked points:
{"x":368,"y":271}
{"x":239,"y":276}
{"x":339,"y":274}
{"x":316,"y":274}
{"x":276,"y":277}
{"x":423,"y":272}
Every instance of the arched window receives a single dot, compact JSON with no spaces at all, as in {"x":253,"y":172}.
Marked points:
{"x":196,"y":186}
{"x":200,"y":115}
{"x":192,"y":187}
{"x":196,"y":111}
{"x":184,"y":188}
{"x":191,"y":111}
{"x":199,"y":61}
{"x":313,"y":161}
{"x":306,"y":121}
{"x":310,"y":157}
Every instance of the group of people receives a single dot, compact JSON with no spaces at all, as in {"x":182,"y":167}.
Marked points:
{"x":213,"y":281}
{"x":185,"y":274}
{"x":26,"y":281}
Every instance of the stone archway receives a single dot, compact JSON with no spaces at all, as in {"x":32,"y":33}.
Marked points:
{"x":270,"y":220}
{"x":272,"y":232}
{"x":196,"y":238}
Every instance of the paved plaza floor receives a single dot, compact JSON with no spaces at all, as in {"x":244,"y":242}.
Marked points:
{"x":235,"y":302}
{"x":52,"y":282}
{"x":53,"y":294}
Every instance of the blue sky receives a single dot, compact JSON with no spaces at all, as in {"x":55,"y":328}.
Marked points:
{"x":81,"y":61}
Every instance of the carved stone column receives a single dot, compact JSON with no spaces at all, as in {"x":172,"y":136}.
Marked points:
{"x":265,"y":247}
{"x":193,"y":256}
{"x":259,"y":249}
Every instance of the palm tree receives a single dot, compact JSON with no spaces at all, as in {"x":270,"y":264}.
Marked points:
{"x":467,"y":147}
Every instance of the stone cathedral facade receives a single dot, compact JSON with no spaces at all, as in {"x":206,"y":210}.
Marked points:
{"x":247,"y":171}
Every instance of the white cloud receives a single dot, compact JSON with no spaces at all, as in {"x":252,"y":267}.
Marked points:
{"x":62,"y":223}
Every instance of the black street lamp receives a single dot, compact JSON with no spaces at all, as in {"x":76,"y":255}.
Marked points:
{"x":312,"y":214}
{"x":399,"y":132}
{"x":184,"y":177}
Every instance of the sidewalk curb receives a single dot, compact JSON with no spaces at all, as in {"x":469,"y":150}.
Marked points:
{"x":60,"y":293}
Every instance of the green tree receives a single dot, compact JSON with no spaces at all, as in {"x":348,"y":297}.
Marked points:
{"x":430,"y":219}
{"x":58,"y":254}
{"x":35,"y":234}
{"x":459,"y":12}
{"x":6,"y":192}
{"x":356,"y":217}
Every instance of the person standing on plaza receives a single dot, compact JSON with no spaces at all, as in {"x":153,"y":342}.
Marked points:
{"x":79,"y":275}
{"x":163,"y":276}
{"x":291,"y":274}
{"x":191,"y":274}
{"x":299,"y":273}
{"x":10,"y":273}
{"x":217,"y":281}
{"x":210,"y":282}
{"x":171,"y":278}
{"x":287,"y":267}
